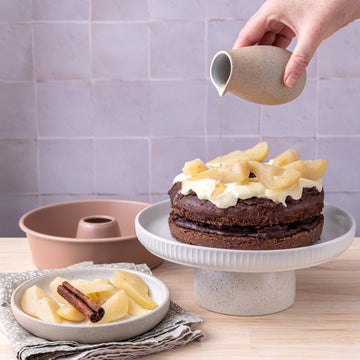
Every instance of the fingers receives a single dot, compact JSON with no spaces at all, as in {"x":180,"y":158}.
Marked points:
{"x":262,"y":29}
{"x":282,"y":41}
{"x":252,"y":32}
{"x":267,"y":39}
{"x":279,"y":40}
{"x":299,"y":60}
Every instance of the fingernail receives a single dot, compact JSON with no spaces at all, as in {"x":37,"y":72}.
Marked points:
{"x":291,"y":80}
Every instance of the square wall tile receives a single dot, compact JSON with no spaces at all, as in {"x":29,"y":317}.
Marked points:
{"x":16,"y":52}
{"x":235,"y":9}
{"x":122,"y":166}
{"x":18,"y":166}
{"x":121,"y":108}
{"x":174,"y":9}
{"x":114,"y":10}
{"x":188,"y":98}
{"x":339,"y":106}
{"x":305,"y":146}
{"x":66,"y":166}
{"x":168,"y":156}
{"x":349,"y":202}
{"x":64,"y":109}
{"x":50,"y":10}
{"x":120,"y":51}
{"x":15,"y":10}
{"x":12,"y":208}
{"x":343,"y":171}
{"x":61,"y":51}
{"x":17,"y":104}
{"x":221,"y":36}
{"x":231,"y":115}
{"x":218,"y":146}
{"x":339,"y":54}
{"x":299,"y":115}
{"x":177,"y":50}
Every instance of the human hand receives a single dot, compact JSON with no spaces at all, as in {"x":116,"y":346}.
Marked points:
{"x":277,"y":22}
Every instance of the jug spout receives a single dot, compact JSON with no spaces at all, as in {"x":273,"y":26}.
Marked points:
{"x":220,"y":71}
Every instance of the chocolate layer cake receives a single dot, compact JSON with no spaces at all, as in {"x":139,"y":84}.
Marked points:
{"x":277,"y":218}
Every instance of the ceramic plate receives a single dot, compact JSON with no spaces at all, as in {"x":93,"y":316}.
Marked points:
{"x":153,"y":232}
{"x":80,"y":332}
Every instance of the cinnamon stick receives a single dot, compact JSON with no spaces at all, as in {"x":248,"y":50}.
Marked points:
{"x":81,"y":302}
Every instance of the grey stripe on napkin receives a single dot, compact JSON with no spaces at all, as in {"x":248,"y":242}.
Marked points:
{"x":173,"y":331}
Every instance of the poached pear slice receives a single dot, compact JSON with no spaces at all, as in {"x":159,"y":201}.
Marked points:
{"x":219,"y":189}
{"x":135,"y":309}
{"x":68,"y":312}
{"x":288,"y":156}
{"x":257,"y":153}
{"x":275,"y":177}
{"x":194,"y":167}
{"x":37,"y":303}
{"x":105,"y":295}
{"x":116,"y":308}
{"x":235,"y":172}
{"x":310,"y":169}
{"x":53,"y":289}
{"x":134,"y":287}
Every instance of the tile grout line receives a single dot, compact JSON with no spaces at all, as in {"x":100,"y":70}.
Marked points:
{"x":119,"y":21}
{"x":36,"y":105}
{"x":92,"y":111}
{"x":317,"y":116}
{"x":206,"y":84}
{"x":149,"y":137}
{"x":149,"y":41}
{"x":145,"y":79}
{"x":145,"y":137}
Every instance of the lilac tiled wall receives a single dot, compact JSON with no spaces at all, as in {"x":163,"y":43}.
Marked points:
{"x":108,"y":99}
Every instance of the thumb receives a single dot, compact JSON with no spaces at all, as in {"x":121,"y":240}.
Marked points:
{"x":299,"y":60}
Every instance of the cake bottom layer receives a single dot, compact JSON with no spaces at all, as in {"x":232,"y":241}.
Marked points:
{"x":302,"y":233}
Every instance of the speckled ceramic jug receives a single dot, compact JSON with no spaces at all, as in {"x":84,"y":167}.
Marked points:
{"x":254,"y":73}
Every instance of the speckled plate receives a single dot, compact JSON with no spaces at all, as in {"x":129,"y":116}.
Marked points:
{"x":153,"y":232}
{"x":80,"y":332}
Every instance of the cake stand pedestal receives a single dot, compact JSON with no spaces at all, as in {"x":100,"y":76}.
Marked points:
{"x":244,"y":282}
{"x":240,"y":293}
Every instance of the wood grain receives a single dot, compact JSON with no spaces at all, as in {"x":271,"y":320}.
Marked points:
{"x":324,"y":322}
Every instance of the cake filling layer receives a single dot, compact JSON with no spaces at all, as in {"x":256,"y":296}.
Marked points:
{"x":258,"y":232}
{"x":205,"y":188}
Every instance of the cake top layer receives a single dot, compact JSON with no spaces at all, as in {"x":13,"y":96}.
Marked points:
{"x":244,"y":174}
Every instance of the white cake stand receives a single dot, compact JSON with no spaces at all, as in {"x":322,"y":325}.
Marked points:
{"x":244,"y":282}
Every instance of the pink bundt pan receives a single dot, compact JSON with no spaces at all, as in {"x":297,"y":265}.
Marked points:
{"x":105,"y":228}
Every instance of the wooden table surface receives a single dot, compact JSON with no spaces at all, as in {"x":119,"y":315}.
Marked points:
{"x":324,"y":322}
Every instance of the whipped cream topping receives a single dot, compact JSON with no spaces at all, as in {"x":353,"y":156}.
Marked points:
{"x":234,"y":191}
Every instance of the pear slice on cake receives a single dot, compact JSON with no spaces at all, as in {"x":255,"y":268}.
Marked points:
{"x":257,"y":153}
{"x":234,"y":172}
{"x":310,"y":169}
{"x":194,"y":167}
{"x":288,"y":156}
{"x":275,"y":177}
